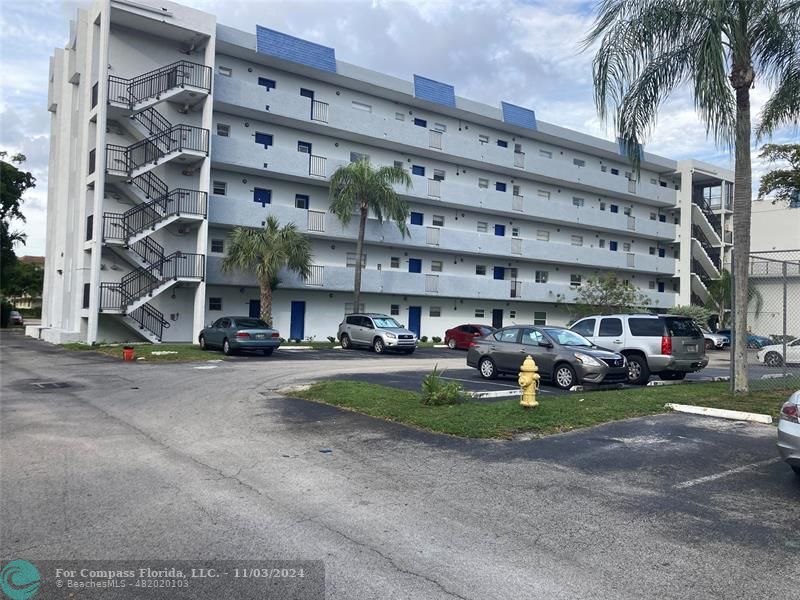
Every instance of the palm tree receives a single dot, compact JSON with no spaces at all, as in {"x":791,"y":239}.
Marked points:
{"x":650,"y":47}
{"x":720,"y":292}
{"x":359,"y":187}
{"x":266,"y":251}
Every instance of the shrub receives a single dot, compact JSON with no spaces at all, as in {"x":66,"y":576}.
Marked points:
{"x":436,"y":392}
{"x":423,"y":339}
{"x":331,"y":339}
{"x":436,"y":340}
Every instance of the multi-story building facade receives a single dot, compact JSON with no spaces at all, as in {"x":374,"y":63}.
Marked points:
{"x":169,"y":130}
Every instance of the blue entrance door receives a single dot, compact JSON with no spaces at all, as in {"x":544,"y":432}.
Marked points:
{"x":297,"y":326}
{"x":255,"y":309}
{"x":414,"y":319}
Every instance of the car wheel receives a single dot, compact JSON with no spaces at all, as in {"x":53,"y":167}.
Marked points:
{"x":226,"y":347}
{"x":796,"y":470}
{"x":564,"y":376}
{"x":709,"y":345}
{"x":773,"y":359}
{"x":672,"y":375}
{"x":487,"y":369}
{"x":378,"y":345}
{"x":202,"y":341}
{"x":638,"y":372}
{"x":451,"y":343}
{"x":345,"y":341}
{"x":267,"y":351}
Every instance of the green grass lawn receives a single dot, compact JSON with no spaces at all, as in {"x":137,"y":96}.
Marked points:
{"x":554,"y":414}
{"x":181,"y":351}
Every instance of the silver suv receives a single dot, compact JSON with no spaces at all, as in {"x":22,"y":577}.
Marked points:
{"x":664,"y":345}
{"x":376,"y":331}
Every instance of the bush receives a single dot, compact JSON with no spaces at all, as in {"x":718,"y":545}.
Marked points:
{"x":331,"y":339}
{"x":436,"y":340}
{"x":436,"y":392}
{"x":423,"y":339}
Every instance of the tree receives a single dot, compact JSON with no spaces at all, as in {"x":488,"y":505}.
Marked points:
{"x":699,"y":314}
{"x":359,"y":187}
{"x":785,"y":183}
{"x":720,"y":292}
{"x":648,"y":48}
{"x":24,"y":279}
{"x":13,"y":185}
{"x":266,"y":251}
{"x":607,"y":295}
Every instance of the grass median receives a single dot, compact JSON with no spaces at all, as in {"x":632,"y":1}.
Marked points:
{"x":554,"y":414}
{"x":151,"y":352}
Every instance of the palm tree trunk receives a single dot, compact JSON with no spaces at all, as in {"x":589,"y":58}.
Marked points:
{"x":266,"y":302}
{"x":741,"y":78}
{"x":362,"y":224}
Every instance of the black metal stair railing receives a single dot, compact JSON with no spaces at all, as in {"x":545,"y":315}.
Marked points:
{"x":701,"y":272}
{"x":145,"y":216}
{"x":153,"y":121}
{"x":705,"y":207}
{"x":150,"y":318}
{"x":713,"y":253}
{"x":126,"y":159}
{"x":152,"y":84}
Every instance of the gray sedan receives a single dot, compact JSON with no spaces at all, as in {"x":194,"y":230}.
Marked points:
{"x":563,"y":356}
{"x":789,"y":432}
{"x":232,"y":334}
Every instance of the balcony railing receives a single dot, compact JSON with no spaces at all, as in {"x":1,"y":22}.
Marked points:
{"x":519,"y":160}
{"x":432,"y":236}
{"x":152,"y":84}
{"x":316,"y":167}
{"x":316,"y":220}
{"x":631,"y":223}
{"x":631,"y":259}
{"x":516,"y":289}
{"x":516,"y":203}
{"x":434,"y":188}
{"x":516,"y":245}
{"x":435,"y":139}
{"x":319,"y":111}
{"x":432,"y":284}
{"x":316,"y":276}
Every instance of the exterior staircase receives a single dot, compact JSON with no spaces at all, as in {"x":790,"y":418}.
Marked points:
{"x":164,"y":83}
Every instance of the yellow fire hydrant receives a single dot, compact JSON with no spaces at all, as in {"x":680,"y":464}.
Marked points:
{"x":529,"y":382}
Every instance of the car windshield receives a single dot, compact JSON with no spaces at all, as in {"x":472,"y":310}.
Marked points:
{"x":485,"y":330}
{"x":565,"y":337}
{"x":251,"y":324}
{"x":385,"y":323}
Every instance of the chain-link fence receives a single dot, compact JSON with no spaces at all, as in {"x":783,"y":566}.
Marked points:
{"x":773,"y":320}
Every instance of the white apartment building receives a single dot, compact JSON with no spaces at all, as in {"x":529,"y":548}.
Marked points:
{"x":169,"y":130}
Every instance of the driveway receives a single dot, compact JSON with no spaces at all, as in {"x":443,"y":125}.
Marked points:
{"x":102,"y":459}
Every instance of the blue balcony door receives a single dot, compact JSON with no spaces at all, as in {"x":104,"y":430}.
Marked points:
{"x":297,"y":326}
{"x":255,"y":309}
{"x":415,"y":319}
{"x":415,"y":265}
{"x":499,"y":272}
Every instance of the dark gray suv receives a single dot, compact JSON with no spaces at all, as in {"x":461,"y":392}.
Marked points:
{"x":376,"y":331}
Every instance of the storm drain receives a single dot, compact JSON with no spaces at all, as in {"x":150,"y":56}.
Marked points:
{"x":50,"y":385}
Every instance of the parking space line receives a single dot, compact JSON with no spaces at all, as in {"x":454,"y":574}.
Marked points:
{"x":743,"y":468}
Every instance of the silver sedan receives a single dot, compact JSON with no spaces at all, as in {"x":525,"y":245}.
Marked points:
{"x":789,"y":432}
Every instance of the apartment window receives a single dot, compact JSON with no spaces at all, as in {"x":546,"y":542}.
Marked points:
{"x":399,"y":116}
{"x":627,"y":211}
{"x":660,"y":286}
{"x":348,"y":308}
{"x":653,"y":216}
{"x":500,"y":230}
{"x":262,"y":196}
{"x":575,"y":280}
{"x":653,"y":181}
{"x":602,"y":206}
{"x":652,"y":251}
{"x":92,"y":159}
{"x":661,"y":253}
{"x":576,"y":240}
{"x":224,"y":71}
{"x":615,"y":171}
{"x":483,"y":139}
{"x":542,"y":235}
{"x":614,"y":208}
{"x":87,"y":290}
{"x":437,"y":221}
{"x":515,"y":232}
{"x":628,"y":175}
{"x":418,"y":170}
{"x":651,"y":285}
{"x":502,"y":143}
{"x":440,"y":127}
{"x":398,"y":164}
{"x":480,"y":313}
{"x":394,"y":310}
{"x":218,"y":246}
{"x":220,"y":188}
{"x":543,"y":194}
{"x":662,"y":183}
{"x":438,"y":175}
{"x":626,"y":247}
{"x":662,"y":219}
{"x":223,"y":130}
{"x":483,"y":227}
{"x":578,"y":162}
{"x":362,"y":106}
{"x":264,"y":139}
{"x":417,"y":218}
{"x":512,"y":314}
{"x":579,"y":202}
{"x":483,"y":183}
{"x":303,"y":147}
{"x":215,"y":304}
{"x":500,"y":186}
{"x":539,"y":318}
{"x":351,"y":260}
{"x":267,"y":84}
{"x":436,"y":266}
{"x":435,"y":311}
{"x":480,"y":269}
{"x":612,"y":245}
{"x":542,"y":276}
{"x":545,"y":154}
{"x":603,"y":169}
{"x":601,"y":243}
{"x":301,"y":201}
{"x":516,"y":191}
{"x":394,"y":262}
{"x":357,"y":156}
{"x":420,"y":122}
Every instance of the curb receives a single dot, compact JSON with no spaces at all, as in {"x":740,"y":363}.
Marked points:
{"x":722,"y":413}
{"x":496,"y":394}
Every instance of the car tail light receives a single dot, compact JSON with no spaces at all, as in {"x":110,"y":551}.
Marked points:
{"x":666,"y":344}
{"x":790,"y":412}
{"x":242,"y":335}
{"x":473,"y":344}
{"x":275,"y":334}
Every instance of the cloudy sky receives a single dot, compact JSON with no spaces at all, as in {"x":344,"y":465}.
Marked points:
{"x":525,"y":52}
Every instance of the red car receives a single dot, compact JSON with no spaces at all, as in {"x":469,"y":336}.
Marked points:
{"x":461,"y":335}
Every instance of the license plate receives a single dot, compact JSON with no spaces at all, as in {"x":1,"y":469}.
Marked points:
{"x":691,"y":347}
{"x":260,"y":336}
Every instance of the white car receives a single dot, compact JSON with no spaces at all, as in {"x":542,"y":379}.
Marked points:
{"x":789,"y":432}
{"x":772,"y":355}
